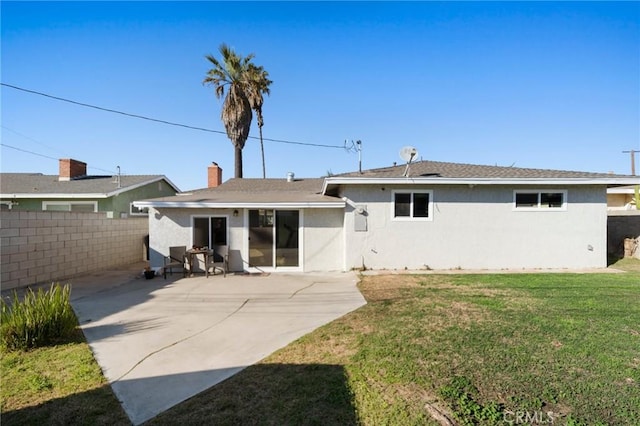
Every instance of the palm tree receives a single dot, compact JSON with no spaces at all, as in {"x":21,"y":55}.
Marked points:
{"x":245,"y":82}
{"x":260,"y":77}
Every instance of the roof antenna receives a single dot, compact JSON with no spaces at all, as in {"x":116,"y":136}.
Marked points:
{"x":353,"y":147}
{"x":118,"y":177}
{"x":408,"y":153}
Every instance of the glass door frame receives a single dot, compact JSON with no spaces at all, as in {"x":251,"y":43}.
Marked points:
{"x":275,"y":267}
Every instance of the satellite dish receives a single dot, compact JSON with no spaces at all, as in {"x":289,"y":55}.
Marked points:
{"x":408,"y":153}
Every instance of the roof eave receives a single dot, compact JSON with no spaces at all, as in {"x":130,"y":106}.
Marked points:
{"x":248,"y":205}
{"x":331,"y":181}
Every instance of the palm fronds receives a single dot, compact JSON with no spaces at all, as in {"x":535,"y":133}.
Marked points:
{"x":244,"y":84}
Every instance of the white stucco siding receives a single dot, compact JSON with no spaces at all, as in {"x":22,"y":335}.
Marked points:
{"x":323,"y":239}
{"x":322,"y":236}
{"x":173,"y":227}
{"x":477,"y":228}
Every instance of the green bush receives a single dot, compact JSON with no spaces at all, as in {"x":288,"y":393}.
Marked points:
{"x":39,"y":319}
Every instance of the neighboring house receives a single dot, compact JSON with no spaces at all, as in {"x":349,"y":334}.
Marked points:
{"x":437,"y":216}
{"x":621,"y":198}
{"x":73,"y":190}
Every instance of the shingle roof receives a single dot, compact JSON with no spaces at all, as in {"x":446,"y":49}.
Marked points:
{"x":280,"y":191}
{"x":40,"y":185}
{"x":256,"y":191}
{"x":308,"y":185}
{"x":457,"y":170}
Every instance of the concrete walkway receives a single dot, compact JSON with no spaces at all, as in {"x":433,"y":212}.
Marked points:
{"x":160,"y":341}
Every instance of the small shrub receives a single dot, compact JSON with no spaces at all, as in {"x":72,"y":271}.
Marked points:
{"x":39,"y":319}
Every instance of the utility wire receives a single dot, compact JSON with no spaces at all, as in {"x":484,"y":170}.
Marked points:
{"x":27,"y":151}
{"x":51,"y":158}
{"x":31,"y":139}
{"x":142,"y":117}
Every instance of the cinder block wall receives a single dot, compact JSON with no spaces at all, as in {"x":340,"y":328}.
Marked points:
{"x":620,"y":225}
{"x":40,"y":247}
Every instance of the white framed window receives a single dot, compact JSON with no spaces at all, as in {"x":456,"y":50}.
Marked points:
{"x":540,"y":200}
{"x":412,"y":205}
{"x":136,"y":211}
{"x":209,"y":231}
{"x":70,"y":206}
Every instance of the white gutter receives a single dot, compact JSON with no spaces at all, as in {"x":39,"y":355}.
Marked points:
{"x":56,"y":195}
{"x":476,"y":181}
{"x":247,"y":205}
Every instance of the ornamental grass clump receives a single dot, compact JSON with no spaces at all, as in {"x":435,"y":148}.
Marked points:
{"x":39,"y":319}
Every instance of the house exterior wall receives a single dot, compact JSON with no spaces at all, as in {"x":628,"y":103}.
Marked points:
{"x":323,"y":239}
{"x":39,"y":247}
{"x":121,"y":203}
{"x":476,"y":227}
{"x":173,"y":227}
{"x":322,"y":244}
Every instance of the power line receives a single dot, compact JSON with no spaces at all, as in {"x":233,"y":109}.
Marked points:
{"x":27,"y":151}
{"x":31,"y":139}
{"x":46,"y":146}
{"x":51,"y":158}
{"x":170,"y":123}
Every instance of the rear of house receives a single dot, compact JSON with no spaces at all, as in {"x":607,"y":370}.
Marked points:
{"x":431,"y":216}
{"x":263,"y":224}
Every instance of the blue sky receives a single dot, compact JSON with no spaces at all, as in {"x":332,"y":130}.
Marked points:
{"x":543,"y":85}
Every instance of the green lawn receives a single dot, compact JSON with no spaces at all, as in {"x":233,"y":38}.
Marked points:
{"x":477,"y":349}
{"x":57,"y":385}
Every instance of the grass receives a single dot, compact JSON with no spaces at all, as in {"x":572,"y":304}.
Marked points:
{"x":59,"y":384}
{"x":474,"y":349}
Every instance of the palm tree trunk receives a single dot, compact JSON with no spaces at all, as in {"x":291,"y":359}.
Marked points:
{"x":238,"y":161}
{"x":264,"y":170}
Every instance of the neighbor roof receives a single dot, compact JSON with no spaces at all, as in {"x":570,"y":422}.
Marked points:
{"x":253,"y":193}
{"x":37,"y":185}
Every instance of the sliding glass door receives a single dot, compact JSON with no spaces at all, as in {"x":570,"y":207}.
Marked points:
{"x":273,"y":238}
{"x":261,"y":237}
{"x":287,"y":241}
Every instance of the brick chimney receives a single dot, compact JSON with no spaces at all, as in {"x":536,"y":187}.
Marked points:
{"x":215,"y":175}
{"x":71,"y":169}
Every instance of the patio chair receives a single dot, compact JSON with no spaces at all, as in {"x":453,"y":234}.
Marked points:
{"x":176,"y":259}
{"x":218,"y":259}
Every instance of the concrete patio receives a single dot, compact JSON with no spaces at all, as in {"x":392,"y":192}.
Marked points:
{"x":160,"y":342}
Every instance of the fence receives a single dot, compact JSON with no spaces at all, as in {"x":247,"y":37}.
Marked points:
{"x":40,"y":247}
